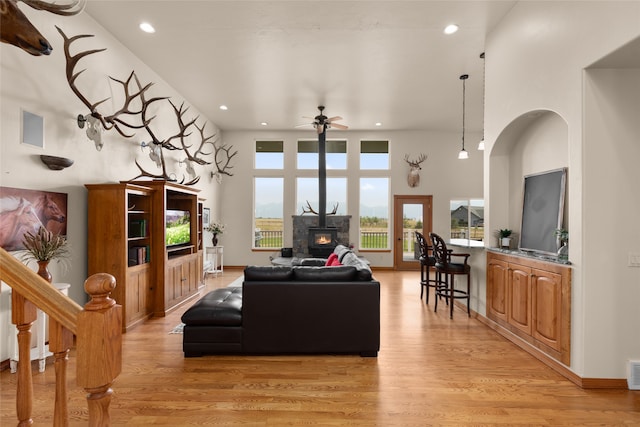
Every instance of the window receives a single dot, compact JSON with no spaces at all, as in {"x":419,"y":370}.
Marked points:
{"x":269,"y":155}
{"x":336,"y":154}
{"x":467,"y":219}
{"x":374,"y":213}
{"x":307,"y":191}
{"x":374,"y":155}
{"x":268,"y":212}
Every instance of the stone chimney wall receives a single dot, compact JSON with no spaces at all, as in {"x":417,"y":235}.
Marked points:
{"x":302,"y":223}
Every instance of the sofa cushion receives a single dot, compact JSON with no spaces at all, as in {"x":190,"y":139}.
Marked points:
{"x":364,"y":271}
{"x":220,"y":307}
{"x":312,"y":261}
{"x":332,"y":260}
{"x":341,"y":251}
{"x":324,"y":274}
{"x":255,"y":273}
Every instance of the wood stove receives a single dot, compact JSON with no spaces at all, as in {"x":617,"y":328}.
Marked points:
{"x":322,"y":241}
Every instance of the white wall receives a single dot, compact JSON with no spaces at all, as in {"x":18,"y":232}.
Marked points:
{"x":443,"y":176}
{"x":611,"y":201}
{"x":534,"y":61}
{"x":38,"y":84}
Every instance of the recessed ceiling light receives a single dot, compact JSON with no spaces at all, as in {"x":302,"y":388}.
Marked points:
{"x":147,"y":28}
{"x":378,"y":124}
{"x":263,"y":123}
{"x":450,"y":29}
{"x":224,"y":107}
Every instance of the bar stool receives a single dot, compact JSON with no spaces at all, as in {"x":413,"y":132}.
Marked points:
{"x":427,"y":263}
{"x":450,"y":270}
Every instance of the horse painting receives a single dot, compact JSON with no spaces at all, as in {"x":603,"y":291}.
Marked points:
{"x":28,"y":210}
{"x":17,"y":217}
{"x":47,"y":210}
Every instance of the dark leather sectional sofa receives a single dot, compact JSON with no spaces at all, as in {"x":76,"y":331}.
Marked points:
{"x":288,"y":310}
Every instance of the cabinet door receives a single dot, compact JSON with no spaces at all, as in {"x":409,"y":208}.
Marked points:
{"x":519,"y":310}
{"x":138,"y":301}
{"x":173,"y":284}
{"x":194,"y":273}
{"x":497,"y":275}
{"x":547,"y":307}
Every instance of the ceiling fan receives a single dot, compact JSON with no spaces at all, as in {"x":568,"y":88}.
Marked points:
{"x":322,"y":122}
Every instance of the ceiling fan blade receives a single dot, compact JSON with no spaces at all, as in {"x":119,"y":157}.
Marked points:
{"x":339,"y":126}
{"x":330,"y":119}
{"x":304,"y":124}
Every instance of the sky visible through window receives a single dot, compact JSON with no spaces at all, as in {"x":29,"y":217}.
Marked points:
{"x":374,"y":192}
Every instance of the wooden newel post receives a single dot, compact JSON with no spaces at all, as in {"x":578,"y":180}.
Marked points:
{"x":99,"y":346}
{"x":23,"y":314}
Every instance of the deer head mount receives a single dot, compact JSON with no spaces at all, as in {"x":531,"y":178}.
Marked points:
{"x":17,"y":30}
{"x":413,"y":179}
{"x":134,"y":115}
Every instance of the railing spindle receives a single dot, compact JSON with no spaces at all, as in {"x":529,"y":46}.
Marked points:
{"x":60,"y":341}
{"x":23,"y":314}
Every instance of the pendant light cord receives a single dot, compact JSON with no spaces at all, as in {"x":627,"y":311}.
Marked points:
{"x":463,"y":77}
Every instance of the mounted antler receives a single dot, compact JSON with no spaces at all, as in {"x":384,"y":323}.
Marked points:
{"x":107,"y":122}
{"x":309,"y":209}
{"x":17,"y":30}
{"x":413,"y":179}
{"x":222,"y":154}
{"x":222,"y":165}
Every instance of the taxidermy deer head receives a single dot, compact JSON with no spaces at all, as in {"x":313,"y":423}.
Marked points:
{"x":413,"y":179}
{"x":16,"y":29}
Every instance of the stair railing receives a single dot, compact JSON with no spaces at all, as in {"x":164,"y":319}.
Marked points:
{"x":98,"y":331}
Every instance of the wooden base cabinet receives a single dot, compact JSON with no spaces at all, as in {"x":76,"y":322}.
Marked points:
{"x":182,"y":279}
{"x":531,"y":299}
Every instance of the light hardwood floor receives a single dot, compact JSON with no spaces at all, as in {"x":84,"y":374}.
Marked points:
{"x":430,"y":371}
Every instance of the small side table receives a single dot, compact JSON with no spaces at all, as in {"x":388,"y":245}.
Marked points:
{"x":41,"y":351}
{"x":216,"y":255}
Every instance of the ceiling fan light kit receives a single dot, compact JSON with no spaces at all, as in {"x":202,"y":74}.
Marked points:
{"x":322,"y":122}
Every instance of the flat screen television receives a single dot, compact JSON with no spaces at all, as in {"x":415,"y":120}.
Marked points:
{"x":542,"y":211}
{"x":177,"y":227}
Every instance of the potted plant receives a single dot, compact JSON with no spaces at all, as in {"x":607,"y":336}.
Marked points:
{"x":215,"y":228}
{"x":562,"y":235}
{"x":505,"y":237}
{"x":44,"y":247}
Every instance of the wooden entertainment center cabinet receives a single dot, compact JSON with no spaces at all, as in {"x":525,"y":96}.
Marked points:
{"x":531,"y":298}
{"x":126,"y":238}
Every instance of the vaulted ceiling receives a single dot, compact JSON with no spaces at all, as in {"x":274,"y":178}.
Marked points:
{"x":276,"y":61}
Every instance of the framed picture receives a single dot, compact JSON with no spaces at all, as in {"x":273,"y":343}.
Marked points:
{"x":206,"y":216}
{"x":23,"y":211}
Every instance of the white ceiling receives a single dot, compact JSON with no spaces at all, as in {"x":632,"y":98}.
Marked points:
{"x":276,"y":61}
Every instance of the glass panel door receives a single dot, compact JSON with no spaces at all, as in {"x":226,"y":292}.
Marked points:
{"x":411,"y":214}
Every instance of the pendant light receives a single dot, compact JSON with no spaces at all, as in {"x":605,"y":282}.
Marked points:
{"x":481,"y":143}
{"x":463,"y":154}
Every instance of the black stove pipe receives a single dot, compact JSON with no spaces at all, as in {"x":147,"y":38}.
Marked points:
{"x":322,"y":177}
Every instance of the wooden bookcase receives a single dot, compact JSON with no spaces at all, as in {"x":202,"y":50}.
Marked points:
{"x":127,"y":238}
{"x":120,"y":242}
